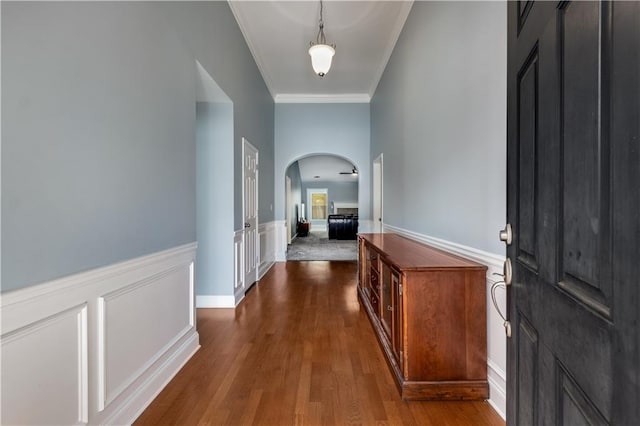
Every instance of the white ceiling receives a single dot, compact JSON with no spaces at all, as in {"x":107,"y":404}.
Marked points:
{"x":328,"y":167}
{"x":278,"y":34}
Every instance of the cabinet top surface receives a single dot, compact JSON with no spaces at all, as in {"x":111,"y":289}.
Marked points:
{"x":408,"y":254}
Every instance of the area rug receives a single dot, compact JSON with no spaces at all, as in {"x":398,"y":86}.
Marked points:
{"x":317,"y":246}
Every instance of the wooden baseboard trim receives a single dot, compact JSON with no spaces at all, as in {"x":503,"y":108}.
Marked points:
{"x":468,"y":390}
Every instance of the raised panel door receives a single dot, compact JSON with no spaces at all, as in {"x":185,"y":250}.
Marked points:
{"x":573,"y":199}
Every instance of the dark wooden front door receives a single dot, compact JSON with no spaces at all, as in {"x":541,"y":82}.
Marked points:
{"x":574,"y":204}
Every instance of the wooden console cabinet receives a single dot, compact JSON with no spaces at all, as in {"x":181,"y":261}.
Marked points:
{"x":428,"y":309}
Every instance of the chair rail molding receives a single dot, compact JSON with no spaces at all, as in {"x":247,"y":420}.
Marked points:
{"x":107,"y":340}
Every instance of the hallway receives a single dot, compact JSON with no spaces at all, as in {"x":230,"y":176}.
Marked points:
{"x":298,"y":350}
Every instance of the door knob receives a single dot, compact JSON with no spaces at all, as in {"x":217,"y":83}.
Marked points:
{"x":506,"y":235}
{"x":507,"y":272}
{"x":247,"y":225}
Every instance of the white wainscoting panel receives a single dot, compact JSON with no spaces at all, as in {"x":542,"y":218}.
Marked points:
{"x":150,"y":331}
{"x":268,"y":236}
{"x":97,"y":347}
{"x":496,"y":338}
{"x":44,"y":371}
{"x":280,"y":240}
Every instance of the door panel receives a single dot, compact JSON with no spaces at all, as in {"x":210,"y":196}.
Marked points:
{"x":585,"y":161}
{"x":570,"y":356}
{"x":250,"y":213}
{"x":528,"y":159}
{"x":527,"y":373}
{"x":575,"y":408}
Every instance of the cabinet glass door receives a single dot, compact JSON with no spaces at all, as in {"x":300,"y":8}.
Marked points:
{"x":386,"y":305}
{"x":397,"y":319}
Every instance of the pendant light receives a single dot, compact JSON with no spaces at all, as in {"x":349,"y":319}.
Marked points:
{"x":321,"y":53}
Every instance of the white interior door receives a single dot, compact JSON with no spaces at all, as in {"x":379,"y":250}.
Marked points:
{"x":250,"y":212}
{"x":377,"y":194}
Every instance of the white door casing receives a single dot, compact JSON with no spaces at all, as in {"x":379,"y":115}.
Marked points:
{"x":288,"y":208}
{"x":377,"y":194}
{"x":250,"y":212}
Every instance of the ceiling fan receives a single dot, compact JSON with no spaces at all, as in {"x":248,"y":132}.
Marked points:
{"x":353,"y":172}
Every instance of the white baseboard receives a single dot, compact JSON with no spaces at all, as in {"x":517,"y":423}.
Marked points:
{"x":497,"y":386}
{"x":106,"y":340}
{"x":496,"y":339}
{"x":215,"y":301}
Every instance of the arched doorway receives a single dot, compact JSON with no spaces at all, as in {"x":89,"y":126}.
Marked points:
{"x":321,"y":208}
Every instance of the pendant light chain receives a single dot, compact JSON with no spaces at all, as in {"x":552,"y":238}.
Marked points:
{"x":321,"y":38}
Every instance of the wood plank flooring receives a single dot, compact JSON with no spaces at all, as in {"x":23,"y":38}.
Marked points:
{"x":299,"y":350}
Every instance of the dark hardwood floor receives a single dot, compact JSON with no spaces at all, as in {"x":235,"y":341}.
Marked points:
{"x":299,"y":350}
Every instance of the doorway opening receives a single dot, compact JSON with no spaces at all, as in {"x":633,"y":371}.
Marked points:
{"x":214,"y":275}
{"x":321,"y":208}
{"x":318,"y":202}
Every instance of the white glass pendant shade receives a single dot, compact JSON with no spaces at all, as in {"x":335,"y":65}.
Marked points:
{"x":321,"y":55}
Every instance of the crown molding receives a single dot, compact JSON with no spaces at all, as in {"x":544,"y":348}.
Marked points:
{"x":254,"y":52}
{"x":395,"y":34}
{"x":308,"y":98}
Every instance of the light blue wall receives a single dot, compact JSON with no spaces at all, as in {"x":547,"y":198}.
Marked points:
{"x":98,"y":129}
{"x":337,"y":129}
{"x":296,"y":195}
{"x":214,"y":221}
{"x":439,"y":117}
{"x":209,"y":30}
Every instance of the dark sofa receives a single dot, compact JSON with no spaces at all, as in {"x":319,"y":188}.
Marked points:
{"x":343,"y":226}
